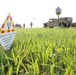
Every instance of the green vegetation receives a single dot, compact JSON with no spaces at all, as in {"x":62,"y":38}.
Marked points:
{"x":40,"y":52}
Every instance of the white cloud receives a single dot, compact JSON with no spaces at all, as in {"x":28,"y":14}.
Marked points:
{"x":23,"y":11}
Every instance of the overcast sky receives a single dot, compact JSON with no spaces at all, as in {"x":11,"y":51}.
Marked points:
{"x":37,"y":11}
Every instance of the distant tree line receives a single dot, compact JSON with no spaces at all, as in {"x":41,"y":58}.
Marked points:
{"x":19,"y":25}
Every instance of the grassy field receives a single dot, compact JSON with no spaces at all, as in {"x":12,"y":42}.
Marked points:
{"x":40,"y":52}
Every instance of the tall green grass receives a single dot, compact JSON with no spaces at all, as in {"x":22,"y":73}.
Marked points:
{"x":40,"y":52}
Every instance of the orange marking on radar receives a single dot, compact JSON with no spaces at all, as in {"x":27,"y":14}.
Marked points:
{"x":13,"y":25}
{"x":3,"y":25}
{"x":12,"y":30}
{"x":3,"y":31}
{"x":0,"y":30}
{"x":7,"y":17}
{"x":10,"y":18}
{"x":8,"y":30}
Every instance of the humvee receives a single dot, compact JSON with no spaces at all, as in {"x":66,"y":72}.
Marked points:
{"x":61,"y":22}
